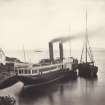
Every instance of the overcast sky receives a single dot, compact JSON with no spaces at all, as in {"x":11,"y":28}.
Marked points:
{"x":33,"y":23}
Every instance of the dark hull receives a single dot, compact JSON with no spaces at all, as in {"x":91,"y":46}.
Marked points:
{"x":87,"y":70}
{"x":39,"y":80}
{"x":45,"y":79}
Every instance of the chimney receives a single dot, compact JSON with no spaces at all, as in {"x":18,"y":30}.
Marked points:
{"x":51,"y":55}
{"x":61,"y":51}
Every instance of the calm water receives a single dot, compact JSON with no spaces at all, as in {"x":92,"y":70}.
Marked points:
{"x":71,"y":92}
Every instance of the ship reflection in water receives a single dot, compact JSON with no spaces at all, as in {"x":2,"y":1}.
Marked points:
{"x":72,"y":92}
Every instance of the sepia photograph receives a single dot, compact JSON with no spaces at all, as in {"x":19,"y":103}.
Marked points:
{"x":52,"y":52}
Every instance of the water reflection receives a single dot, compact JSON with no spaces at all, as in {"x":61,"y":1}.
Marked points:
{"x":78,"y":91}
{"x":69,"y":92}
{"x":88,"y":86}
{"x":51,"y":93}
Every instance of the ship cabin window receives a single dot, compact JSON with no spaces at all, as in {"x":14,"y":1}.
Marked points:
{"x":34,"y":71}
{"x":27,"y":71}
{"x":22,"y":71}
{"x":19,"y":71}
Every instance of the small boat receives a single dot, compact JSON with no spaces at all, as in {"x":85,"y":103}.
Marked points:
{"x":87,"y":66}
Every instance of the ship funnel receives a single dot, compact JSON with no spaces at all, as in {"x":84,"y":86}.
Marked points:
{"x":61,"y":50}
{"x":51,"y":55}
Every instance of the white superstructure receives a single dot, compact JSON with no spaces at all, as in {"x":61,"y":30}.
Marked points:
{"x":23,"y":69}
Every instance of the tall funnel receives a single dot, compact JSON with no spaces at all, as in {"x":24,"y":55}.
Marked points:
{"x":51,"y":52}
{"x":61,"y":51}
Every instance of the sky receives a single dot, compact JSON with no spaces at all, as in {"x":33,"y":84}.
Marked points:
{"x":33,"y":23}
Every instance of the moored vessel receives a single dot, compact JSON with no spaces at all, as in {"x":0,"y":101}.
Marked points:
{"x":47,"y":70}
{"x":87,"y":66}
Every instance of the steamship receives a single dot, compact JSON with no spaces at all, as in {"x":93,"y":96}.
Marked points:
{"x":47,"y":70}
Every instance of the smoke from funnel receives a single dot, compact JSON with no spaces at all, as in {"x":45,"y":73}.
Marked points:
{"x":67,"y":38}
{"x":76,"y":36}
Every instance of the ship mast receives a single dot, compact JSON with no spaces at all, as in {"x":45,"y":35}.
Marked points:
{"x":86,"y":37}
{"x":70,"y":43}
{"x":70,"y":47}
{"x":86,"y":48}
{"x":24,"y":54}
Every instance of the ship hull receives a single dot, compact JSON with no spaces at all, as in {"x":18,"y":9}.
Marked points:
{"x":86,"y":70}
{"x":45,"y":79}
{"x":41,"y":76}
